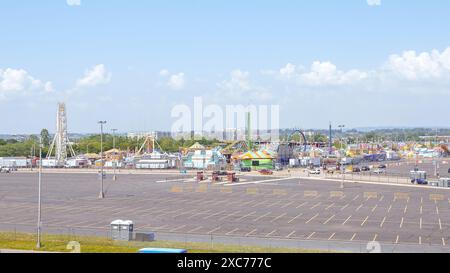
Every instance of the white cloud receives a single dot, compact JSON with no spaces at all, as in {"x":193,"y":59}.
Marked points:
{"x":326,"y":73}
{"x":288,"y":70}
{"x":164,"y":73}
{"x":73,"y":2}
{"x":20,"y":82}
{"x":319,"y":74}
{"x":407,"y":67}
{"x":239,"y":80}
{"x":420,"y":66}
{"x":177,"y":81}
{"x":374,"y":2}
{"x":98,"y":75}
{"x":239,"y":87}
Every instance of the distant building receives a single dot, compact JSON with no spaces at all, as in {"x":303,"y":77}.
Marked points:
{"x":14,"y":162}
{"x":141,"y":135}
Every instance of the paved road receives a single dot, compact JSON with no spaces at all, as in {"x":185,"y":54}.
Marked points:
{"x":288,"y":211}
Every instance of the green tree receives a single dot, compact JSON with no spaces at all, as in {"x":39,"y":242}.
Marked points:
{"x":45,"y":136}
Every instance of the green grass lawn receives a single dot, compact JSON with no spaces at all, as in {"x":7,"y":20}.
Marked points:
{"x":58,"y":243}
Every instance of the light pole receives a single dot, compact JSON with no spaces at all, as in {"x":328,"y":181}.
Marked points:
{"x":342,"y":146}
{"x":102,"y":194}
{"x":38,"y":244}
{"x":115,"y":158}
{"x":436,"y":166}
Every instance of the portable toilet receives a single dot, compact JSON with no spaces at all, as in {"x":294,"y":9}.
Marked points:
{"x":115,"y":230}
{"x":444,"y":182}
{"x":435,"y":184}
{"x":122,"y":230}
{"x":126,"y":230}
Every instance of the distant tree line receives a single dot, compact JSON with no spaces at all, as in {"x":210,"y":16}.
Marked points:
{"x":91,"y":144}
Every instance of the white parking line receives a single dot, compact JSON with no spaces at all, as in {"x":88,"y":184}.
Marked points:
{"x":314,"y":217}
{"x":251,"y":232}
{"x":353,"y":237}
{"x":375,"y":238}
{"x":401,"y":223}
{"x":215,"y":214}
{"x":440,"y":224}
{"x":382,"y":222}
{"x":389,"y":209}
{"x":177,"y":228}
{"x":245,"y":216}
{"x":329,"y":207}
{"x":346,"y":220}
{"x":420,"y":240}
{"x":356,"y":197}
{"x":290,"y":234}
{"x":214,"y":230}
{"x":287,"y":205}
{"x":199,"y":213}
{"x":271,"y":233}
{"x":329,"y":219}
{"x":398,"y":238}
{"x":358,"y":208}
{"x":315,"y":206}
{"x":365,"y":220}
{"x":295,"y":218}
{"x":279,"y":217}
{"x":293,"y":196}
{"x":443,"y":241}
{"x":231,"y":232}
{"x":420,"y":223}
{"x":274,"y":204}
{"x":374,"y":208}
{"x":344,"y":207}
{"x":229,"y":215}
{"x":331,"y":237}
{"x":260,"y":203}
{"x":310,"y":236}
{"x":260,"y":217}
{"x":194,"y":230}
{"x":301,"y":205}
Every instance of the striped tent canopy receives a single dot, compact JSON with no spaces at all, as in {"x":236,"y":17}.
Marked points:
{"x":263,"y":154}
{"x":197,"y":146}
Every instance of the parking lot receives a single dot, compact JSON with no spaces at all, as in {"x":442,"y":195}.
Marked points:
{"x":263,"y":207}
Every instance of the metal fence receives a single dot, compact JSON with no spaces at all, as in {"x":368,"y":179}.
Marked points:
{"x":222,"y":243}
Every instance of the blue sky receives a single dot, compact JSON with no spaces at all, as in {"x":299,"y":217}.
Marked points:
{"x":130,"y":62}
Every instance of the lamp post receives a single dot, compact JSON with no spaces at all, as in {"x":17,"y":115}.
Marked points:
{"x":115,"y":158}
{"x":38,"y":244}
{"x":342,"y":146}
{"x":102,"y":194}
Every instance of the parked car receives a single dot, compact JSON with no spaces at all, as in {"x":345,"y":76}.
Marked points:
{"x":365,"y":168}
{"x":246,"y":169}
{"x":448,"y":170}
{"x":382,"y":166}
{"x":356,"y":169}
{"x":314,"y":171}
{"x":5,"y":170}
{"x":278,"y":167}
{"x":379,"y":171}
{"x":266,"y":172}
{"x":419,"y":177}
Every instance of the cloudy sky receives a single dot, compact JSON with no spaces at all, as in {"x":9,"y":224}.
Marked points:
{"x":357,"y":62}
